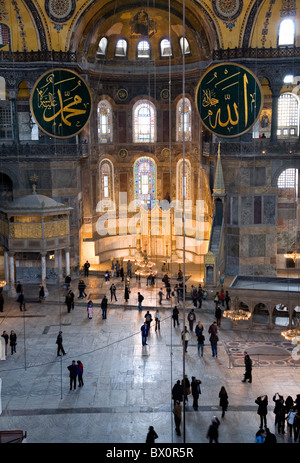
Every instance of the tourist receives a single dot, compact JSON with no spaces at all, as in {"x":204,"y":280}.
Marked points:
{"x":81,"y":289}
{"x":89,"y":309}
{"x":177,"y":392}
{"x":213,"y":339}
{"x":157,"y":318}
{"x":262,"y":411}
{"x":185,"y":337}
{"x":41,"y":293}
{"x":175,"y":316}
{"x":269,"y":437}
{"x":151,"y":436}
{"x":106,"y":276}
{"x":113,"y":290}
{"x":73,"y":374}
{"x":6,"y":337}
{"x":196,"y":391}
{"x":21,"y":300}
{"x":148,"y":318}
{"x":67,"y":282}
{"x":199,"y":296}
{"x":227,"y":301}
{"x":186,"y":387}
{"x":248,"y":368}
{"x":218,"y":315}
{"x":177,"y":410}
{"x":260,"y":436}
{"x":191,"y":319}
{"x":126,"y":293}
{"x":59,"y":342}
{"x":86,"y":268}
{"x":145,"y":331}
{"x":200,"y":344}
{"x":213,"y":431}
{"x":12,"y":341}
{"x":104,"y":306}
{"x":160,"y":295}
{"x":140,"y":300}
{"x":68,"y":301}
{"x":279,"y":412}
{"x":112,"y":269}
{"x":80,"y":373}
{"x":290,"y":420}
{"x":223,"y":396}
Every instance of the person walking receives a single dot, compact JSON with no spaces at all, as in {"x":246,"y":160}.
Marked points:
{"x":222,"y":296}
{"x":6,"y":337}
{"x":86,"y":268}
{"x":81,"y":289}
{"x":160,"y":296}
{"x":177,"y":411}
{"x":227,"y":301}
{"x":199,"y":296}
{"x":69,"y":300}
{"x":126,"y":293}
{"x":223,"y":397}
{"x":73,"y":374}
{"x":12,"y":341}
{"x":21,"y":300}
{"x":113,"y":290}
{"x":196,"y":391}
{"x":191,"y":319}
{"x":104,"y":307}
{"x":59,"y":342}
{"x":194,"y":295}
{"x":199,"y":328}
{"x":145,"y":331}
{"x":218,"y":315}
{"x":186,"y":387}
{"x":248,"y":368}
{"x":262,"y":411}
{"x":200,"y":344}
{"x":148,"y":318}
{"x":217,"y":299}
{"x":186,"y":337}
{"x":41,"y":293}
{"x":213,"y":431}
{"x":177,"y":392}
{"x":89,"y":309}
{"x":175,"y":315}
{"x":213,"y":330}
{"x":140,"y":300}
{"x":157,"y":318}
{"x":80,"y":373}
{"x":151,"y":436}
{"x":67,"y":282}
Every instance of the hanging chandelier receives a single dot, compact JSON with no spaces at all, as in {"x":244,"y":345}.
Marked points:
{"x":145,"y":268}
{"x":293,"y":334}
{"x":292,"y":255}
{"x":237,"y":313}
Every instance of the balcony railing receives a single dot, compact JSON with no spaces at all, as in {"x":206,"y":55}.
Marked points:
{"x":256,"y":53}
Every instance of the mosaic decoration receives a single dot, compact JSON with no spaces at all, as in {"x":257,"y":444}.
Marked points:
{"x":228,"y":10}
{"x":122,"y":94}
{"x":3,"y":11}
{"x":21,"y":25}
{"x":228,"y":99}
{"x":142,"y":25}
{"x":263,"y":354}
{"x":145,"y":182}
{"x":61,"y":103}
{"x":267,"y":22}
{"x":288,"y":8}
{"x":60,"y":10}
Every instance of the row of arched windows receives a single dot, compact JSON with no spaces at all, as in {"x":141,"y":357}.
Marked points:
{"x":143,"y":48}
{"x":145,"y":182}
{"x":145,"y":121}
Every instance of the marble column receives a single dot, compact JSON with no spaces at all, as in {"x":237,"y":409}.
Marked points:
{"x":12,"y":283}
{"x":6,"y":271}
{"x":274,"y":123}
{"x":59,"y":265}
{"x":44,"y":272}
{"x":67,"y":258}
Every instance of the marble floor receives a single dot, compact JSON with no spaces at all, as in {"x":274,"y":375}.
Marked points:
{"x":127,"y":386}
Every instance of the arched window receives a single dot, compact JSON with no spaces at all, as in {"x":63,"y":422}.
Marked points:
{"x":184,"y":45}
{"x":145,"y":182}
{"x":286,"y":34}
{"x":144,"y":122}
{"x":183,"y":180}
{"x":4,"y":37}
{"x":184,"y":120}
{"x":104,"y":120}
{"x":121,"y":48}
{"x":106,"y":171}
{"x":165,"y":48}
{"x":288,"y":115}
{"x":288,"y":179}
{"x":143,"y":49}
{"x":102,"y":46}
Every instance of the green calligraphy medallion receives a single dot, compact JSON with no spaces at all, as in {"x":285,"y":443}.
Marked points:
{"x":228,"y":99}
{"x":61,"y":103}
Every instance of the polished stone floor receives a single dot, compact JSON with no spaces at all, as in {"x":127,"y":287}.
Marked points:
{"x":127,"y":386}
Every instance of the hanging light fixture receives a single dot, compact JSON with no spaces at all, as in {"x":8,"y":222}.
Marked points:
{"x":293,"y":255}
{"x":237,"y":313}
{"x":293,"y":334}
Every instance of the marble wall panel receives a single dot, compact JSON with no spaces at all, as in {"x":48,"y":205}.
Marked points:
{"x":269,"y":209}
{"x":246,"y":210}
{"x":257,"y":245}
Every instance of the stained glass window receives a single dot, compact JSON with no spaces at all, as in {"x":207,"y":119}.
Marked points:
{"x":286,"y":32}
{"x":104,"y":119}
{"x":184,"y":180}
{"x":106,"y":184}
{"x":144,"y":119}
{"x":145,"y":182}
{"x":184,"y":120}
